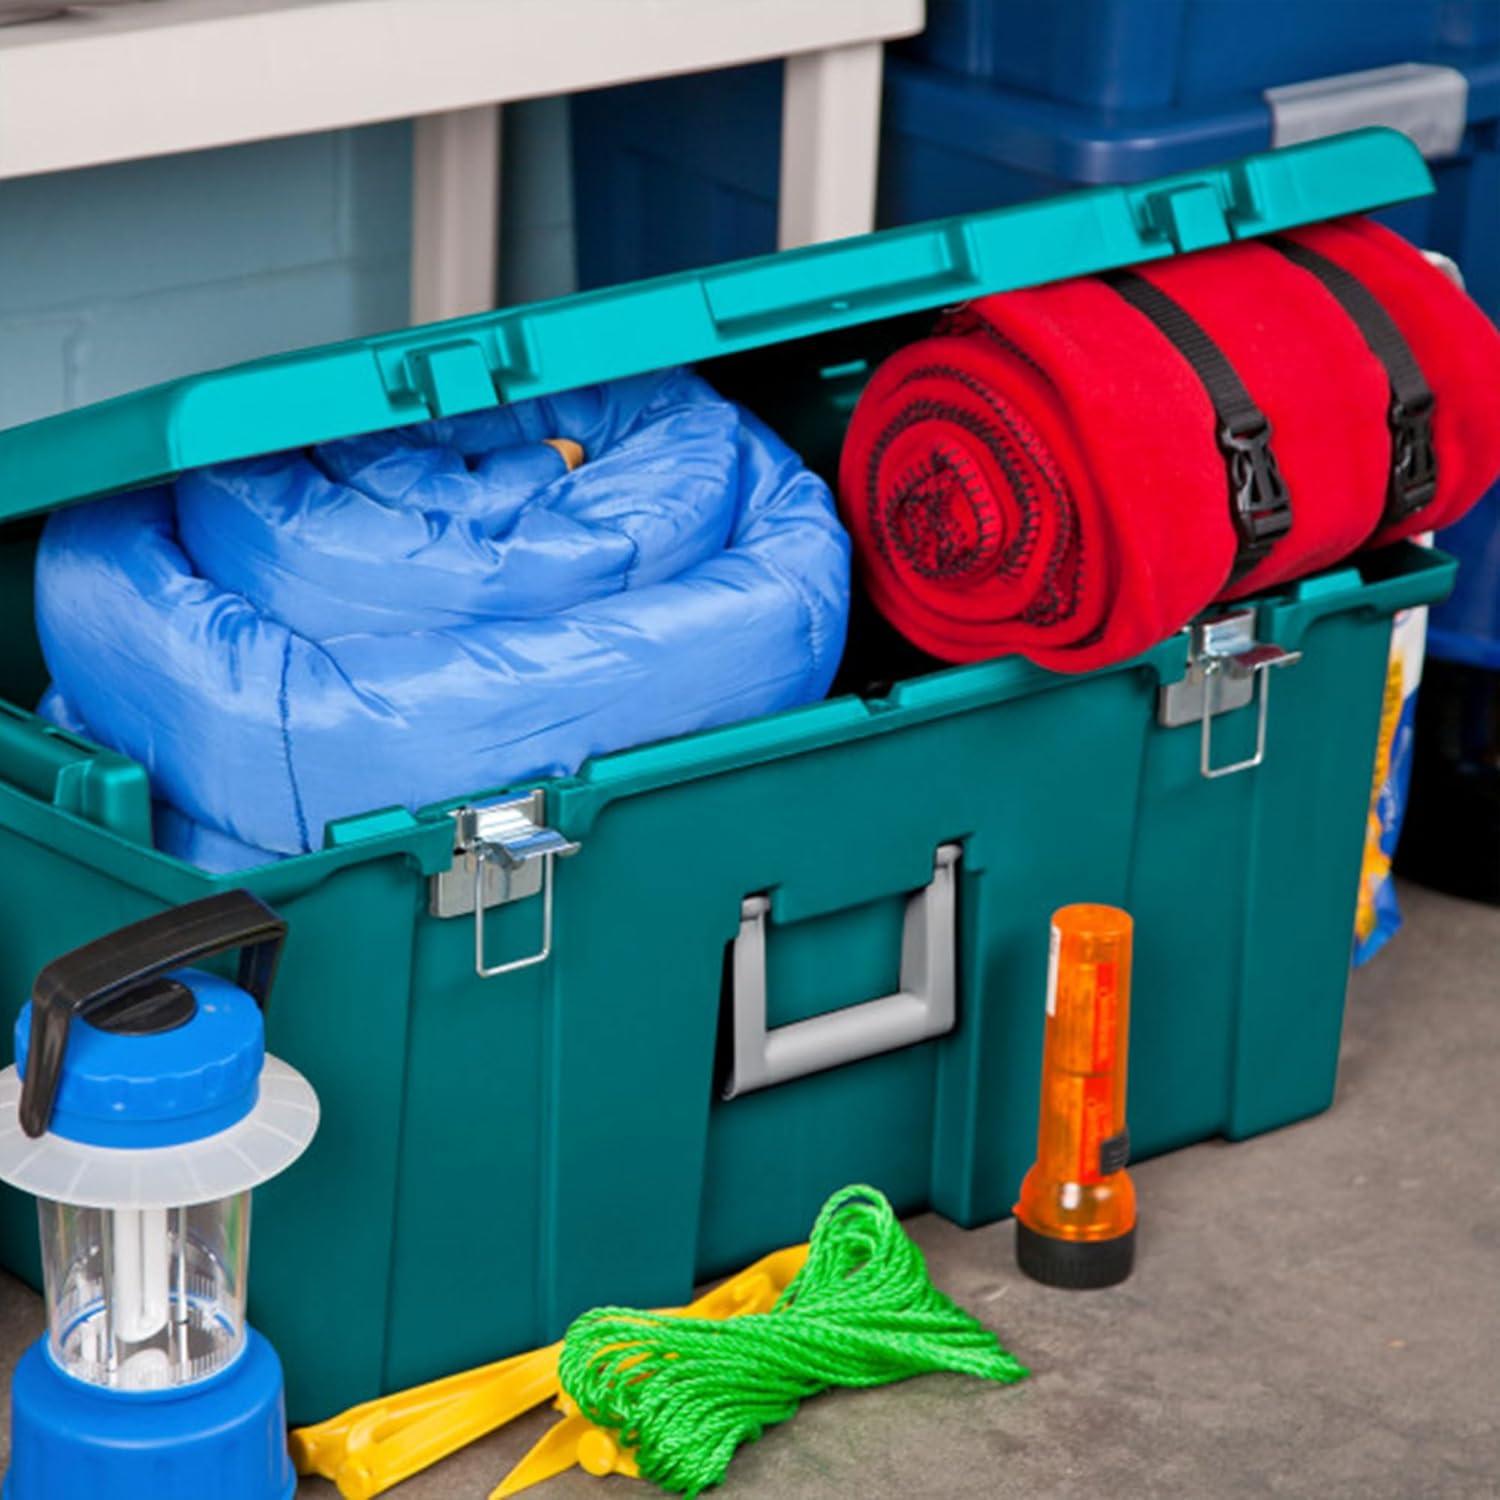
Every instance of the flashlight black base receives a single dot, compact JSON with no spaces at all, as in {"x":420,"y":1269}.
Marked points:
{"x":1079,"y":1265}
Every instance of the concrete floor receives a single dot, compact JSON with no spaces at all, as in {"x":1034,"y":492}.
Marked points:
{"x":1313,"y":1313}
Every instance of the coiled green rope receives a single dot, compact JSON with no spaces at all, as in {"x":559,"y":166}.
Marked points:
{"x":686,"y":1392}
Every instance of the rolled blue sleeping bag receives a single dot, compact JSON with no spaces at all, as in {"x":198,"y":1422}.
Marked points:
{"x":416,"y":615}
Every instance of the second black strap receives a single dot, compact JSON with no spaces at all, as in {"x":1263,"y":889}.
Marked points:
{"x":1413,"y":480}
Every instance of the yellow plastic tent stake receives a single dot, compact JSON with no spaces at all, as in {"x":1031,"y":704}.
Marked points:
{"x":320,"y":1448}
{"x":575,"y":1441}
{"x":600,"y":1454}
{"x":379,"y":1455}
{"x":378,"y":1443}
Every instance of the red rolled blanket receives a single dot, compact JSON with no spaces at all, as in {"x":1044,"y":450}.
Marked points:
{"x":1071,"y":472}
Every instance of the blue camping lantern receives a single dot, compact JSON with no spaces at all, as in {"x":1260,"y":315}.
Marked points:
{"x":141,"y":1111}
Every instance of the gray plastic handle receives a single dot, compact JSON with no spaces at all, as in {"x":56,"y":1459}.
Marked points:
{"x":924,"y":1007}
{"x":1427,"y":102}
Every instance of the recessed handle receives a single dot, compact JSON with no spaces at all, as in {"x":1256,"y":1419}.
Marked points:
{"x":49,"y":763}
{"x":924,"y":1007}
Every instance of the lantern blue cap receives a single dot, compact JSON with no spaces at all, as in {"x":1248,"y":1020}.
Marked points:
{"x":129,"y":1090}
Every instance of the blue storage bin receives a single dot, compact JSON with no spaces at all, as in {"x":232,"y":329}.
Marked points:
{"x":1140,"y":54}
{"x":950,"y":144}
{"x":1467,"y":628}
{"x":676,"y":173}
{"x":684,"y":172}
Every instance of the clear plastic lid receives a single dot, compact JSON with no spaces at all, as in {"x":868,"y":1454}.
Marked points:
{"x":145,"y":1299}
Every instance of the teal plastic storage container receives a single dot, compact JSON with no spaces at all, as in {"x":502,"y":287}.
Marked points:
{"x":785,"y":955}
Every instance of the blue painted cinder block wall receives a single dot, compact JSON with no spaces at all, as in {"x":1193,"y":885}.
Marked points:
{"x":114,"y":277}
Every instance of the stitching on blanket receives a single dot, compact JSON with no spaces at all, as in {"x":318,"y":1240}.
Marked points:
{"x":1048,"y":606}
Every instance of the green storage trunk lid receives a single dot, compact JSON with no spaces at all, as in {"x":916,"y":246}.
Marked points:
{"x":444,"y":369}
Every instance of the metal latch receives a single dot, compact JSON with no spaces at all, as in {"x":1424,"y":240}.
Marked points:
{"x":502,"y":851}
{"x":1226,"y":668}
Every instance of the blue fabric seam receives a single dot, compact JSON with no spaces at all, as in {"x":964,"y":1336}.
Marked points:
{"x":806,"y":600}
{"x":634,"y":544}
{"x":284,"y":713}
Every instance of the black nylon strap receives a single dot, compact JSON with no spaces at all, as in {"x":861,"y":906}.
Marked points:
{"x":1259,"y":502}
{"x":1414,"y":472}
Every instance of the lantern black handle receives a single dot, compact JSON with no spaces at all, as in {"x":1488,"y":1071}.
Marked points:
{"x":102,"y":971}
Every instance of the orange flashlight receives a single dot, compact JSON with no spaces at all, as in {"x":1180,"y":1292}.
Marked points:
{"x":1075,"y":1223}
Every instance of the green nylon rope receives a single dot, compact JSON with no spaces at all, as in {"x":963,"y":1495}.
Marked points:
{"x":686,"y":1392}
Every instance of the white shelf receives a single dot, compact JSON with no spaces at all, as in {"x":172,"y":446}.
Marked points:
{"x":166,"y":76}
{"x":180,"y":75}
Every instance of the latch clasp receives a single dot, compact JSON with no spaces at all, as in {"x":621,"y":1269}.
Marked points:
{"x":1226,"y":667}
{"x":502,"y":851}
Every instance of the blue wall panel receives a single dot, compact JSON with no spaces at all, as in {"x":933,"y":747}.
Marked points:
{"x":114,"y":277}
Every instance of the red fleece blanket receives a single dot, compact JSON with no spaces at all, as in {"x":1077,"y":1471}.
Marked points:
{"x":1042,"y":475}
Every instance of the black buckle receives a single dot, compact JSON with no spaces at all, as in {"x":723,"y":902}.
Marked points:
{"x":1413,"y":459}
{"x":1258,"y":495}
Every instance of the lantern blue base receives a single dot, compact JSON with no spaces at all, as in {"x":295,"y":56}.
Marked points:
{"x":225,"y":1436}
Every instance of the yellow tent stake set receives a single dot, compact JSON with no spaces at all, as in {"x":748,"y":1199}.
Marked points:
{"x":377,"y":1444}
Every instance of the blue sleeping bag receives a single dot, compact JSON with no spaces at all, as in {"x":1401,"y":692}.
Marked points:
{"x":430,"y":612}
